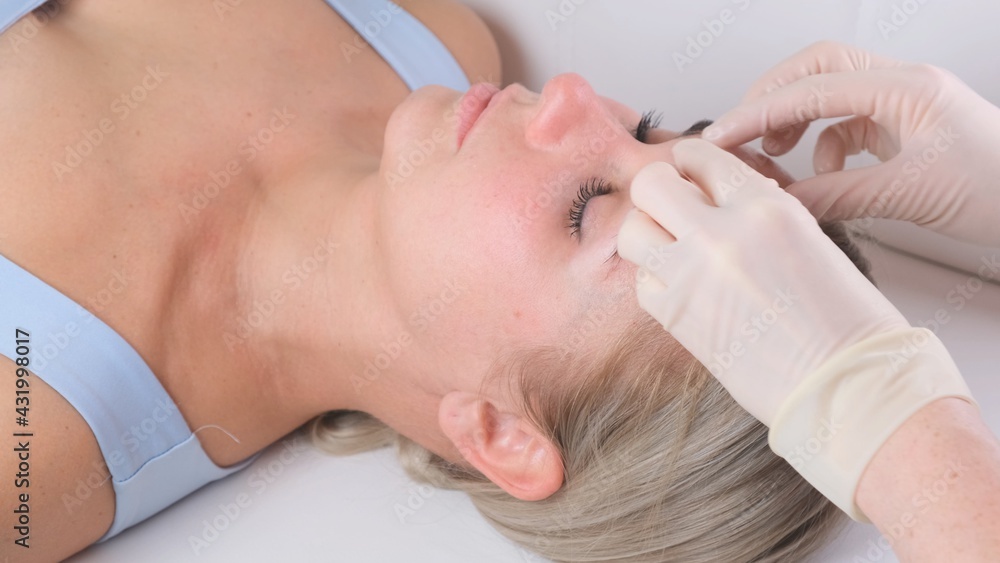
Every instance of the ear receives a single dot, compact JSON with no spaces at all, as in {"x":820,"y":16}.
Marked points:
{"x":506,"y":448}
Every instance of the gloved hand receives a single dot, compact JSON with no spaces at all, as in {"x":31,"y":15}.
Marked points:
{"x":939,"y":141}
{"x":740,"y":273}
{"x":752,"y":287}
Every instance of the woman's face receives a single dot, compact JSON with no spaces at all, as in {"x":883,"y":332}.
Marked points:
{"x":482,"y":231}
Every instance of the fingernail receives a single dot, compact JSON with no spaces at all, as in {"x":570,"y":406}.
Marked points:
{"x":712,"y":133}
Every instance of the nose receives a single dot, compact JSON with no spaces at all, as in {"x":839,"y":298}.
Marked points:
{"x":567,"y":103}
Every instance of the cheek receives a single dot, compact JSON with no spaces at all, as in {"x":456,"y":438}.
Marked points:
{"x":519,"y":202}
{"x":510,"y":277}
{"x":492,"y":224}
{"x":490,"y":303}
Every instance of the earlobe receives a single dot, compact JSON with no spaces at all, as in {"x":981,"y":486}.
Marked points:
{"x":505,"y":447}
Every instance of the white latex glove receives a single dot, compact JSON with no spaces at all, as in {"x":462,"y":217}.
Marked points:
{"x":741,"y":275}
{"x":939,"y":141}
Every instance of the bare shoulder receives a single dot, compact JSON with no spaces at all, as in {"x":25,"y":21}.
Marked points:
{"x":464,"y":33}
{"x":54,"y":497}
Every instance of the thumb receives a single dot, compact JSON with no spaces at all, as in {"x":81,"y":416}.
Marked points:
{"x":848,"y":194}
{"x":851,"y":137}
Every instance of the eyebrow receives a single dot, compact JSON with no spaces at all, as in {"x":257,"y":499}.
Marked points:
{"x":696,"y":128}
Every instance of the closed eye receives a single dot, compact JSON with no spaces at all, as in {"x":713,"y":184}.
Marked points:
{"x":650,"y":120}
{"x":597,"y":187}
{"x":589,"y":189}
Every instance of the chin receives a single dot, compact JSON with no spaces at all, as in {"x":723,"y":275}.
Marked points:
{"x":427,"y":115}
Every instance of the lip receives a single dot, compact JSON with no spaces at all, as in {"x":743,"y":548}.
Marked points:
{"x":471,"y":106}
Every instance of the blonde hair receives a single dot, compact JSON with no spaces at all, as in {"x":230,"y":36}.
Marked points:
{"x":660,"y":463}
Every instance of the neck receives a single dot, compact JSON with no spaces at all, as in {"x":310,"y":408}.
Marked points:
{"x":326,"y":322}
{"x":294,"y":312}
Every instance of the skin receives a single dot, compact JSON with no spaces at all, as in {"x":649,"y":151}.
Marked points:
{"x":118,"y":211}
{"x":931,"y":489}
{"x":452,"y":264}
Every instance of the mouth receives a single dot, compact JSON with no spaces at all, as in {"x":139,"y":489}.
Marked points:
{"x":471,"y":107}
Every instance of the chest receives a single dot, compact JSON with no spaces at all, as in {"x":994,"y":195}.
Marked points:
{"x":134,"y":134}
{"x":124,"y":123}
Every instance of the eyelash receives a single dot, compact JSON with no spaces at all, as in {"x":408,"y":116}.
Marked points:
{"x":650,"y":120}
{"x":591,"y":188}
{"x":597,"y":187}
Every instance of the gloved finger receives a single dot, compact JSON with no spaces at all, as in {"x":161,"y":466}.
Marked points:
{"x":847,"y":194}
{"x":819,"y":58}
{"x":670,"y":200}
{"x":777,"y":143}
{"x":642,"y":241}
{"x":721,"y":174}
{"x":850,"y":137}
{"x":763,"y":164}
{"x":655,"y":298}
{"x":814,"y":97}
{"x":830,"y":152}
